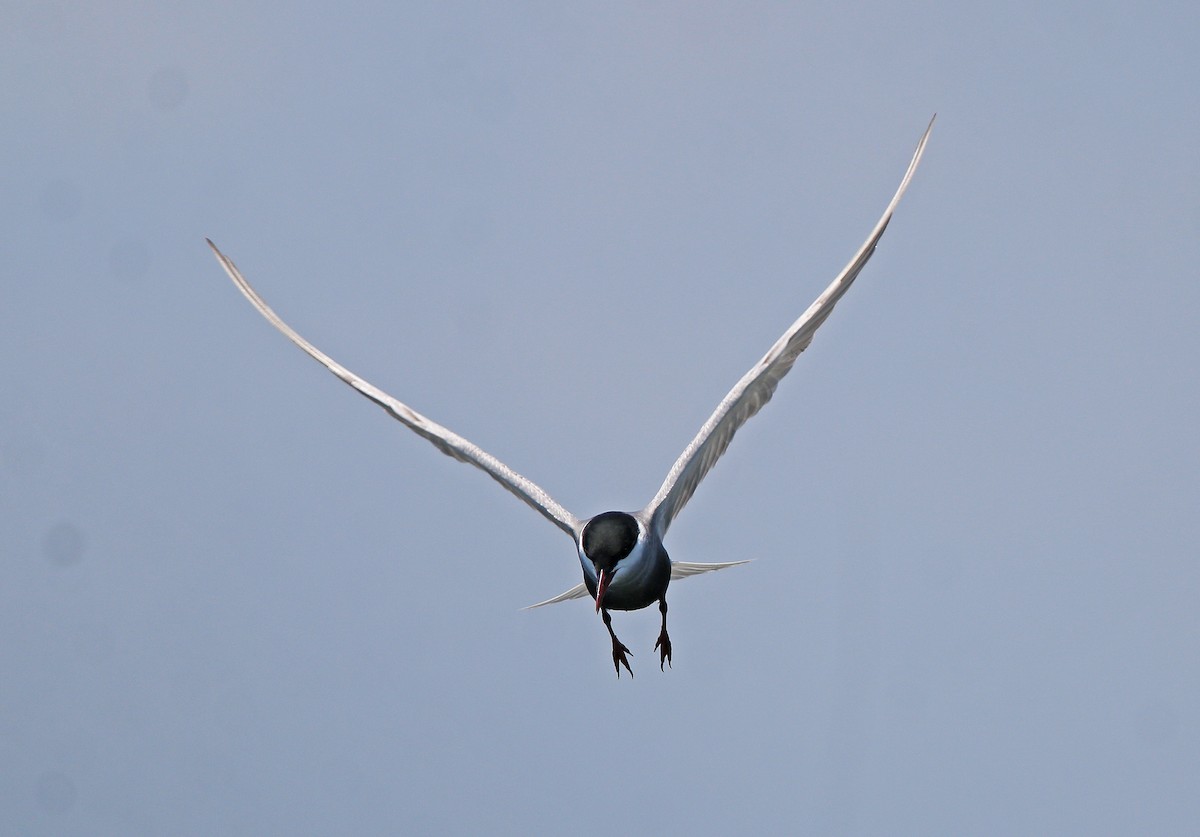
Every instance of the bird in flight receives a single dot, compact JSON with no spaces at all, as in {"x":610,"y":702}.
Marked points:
{"x":625,"y":566}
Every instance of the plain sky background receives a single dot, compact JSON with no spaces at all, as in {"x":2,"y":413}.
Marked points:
{"x":236,"y":598}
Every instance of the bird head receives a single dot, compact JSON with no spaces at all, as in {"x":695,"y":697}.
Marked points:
{"x":607,"y":538}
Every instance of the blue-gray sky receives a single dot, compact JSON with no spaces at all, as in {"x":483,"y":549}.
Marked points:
{"x":238,"y":599}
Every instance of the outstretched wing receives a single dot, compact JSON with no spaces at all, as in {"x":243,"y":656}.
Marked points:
{"x":576,"y":592}
{"x":686,"y":569}
{"x":758,"y":385}
{"x":679,"y":569}
{"x":444,"y":440}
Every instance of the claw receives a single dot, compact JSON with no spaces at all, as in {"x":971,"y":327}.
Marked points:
{"x":619,"y":658}
{"x":664,"y":642}
{"x":619,"y":649}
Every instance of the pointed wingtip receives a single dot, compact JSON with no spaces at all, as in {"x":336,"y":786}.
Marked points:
{"x":924,"y":139}
{"x":576,"y":592}
{"x":686,"y":569}
{"x":222,"y":259}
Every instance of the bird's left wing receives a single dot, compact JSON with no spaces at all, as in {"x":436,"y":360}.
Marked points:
{"x":444,"y":440}
{"x":758,"y":385}
{"x":686,"y":569}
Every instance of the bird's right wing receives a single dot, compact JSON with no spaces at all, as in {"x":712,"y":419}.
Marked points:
{"x":758,"y":385}
{"x":444,"y":440}
{"x":576,"y":592}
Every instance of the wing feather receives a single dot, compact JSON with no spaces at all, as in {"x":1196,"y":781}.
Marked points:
{"x":758,"y":385}
{"x":576,"y":592}
{"x":444,"y":440}
{"x":686,"y":569}
{"x":679,"y":569}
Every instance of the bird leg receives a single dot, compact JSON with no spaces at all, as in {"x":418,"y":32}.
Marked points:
{"x":619,"y":650}
{"x":664,"y":641}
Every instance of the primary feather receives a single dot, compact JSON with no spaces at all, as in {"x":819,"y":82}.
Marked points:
{"x":758,"y":385}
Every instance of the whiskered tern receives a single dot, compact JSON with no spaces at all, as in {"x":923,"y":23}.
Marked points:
{"x":625,"y":566}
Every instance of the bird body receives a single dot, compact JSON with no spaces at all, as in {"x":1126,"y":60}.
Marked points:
{"x":625,"y":565}
{"x":642,"y":572}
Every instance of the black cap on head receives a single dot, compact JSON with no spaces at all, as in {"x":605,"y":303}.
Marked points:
{"x":609,"y":537}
